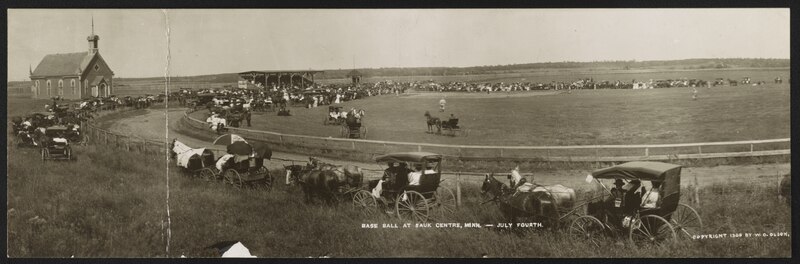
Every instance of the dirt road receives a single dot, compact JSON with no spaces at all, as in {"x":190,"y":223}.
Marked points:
{"x":154,"y":125}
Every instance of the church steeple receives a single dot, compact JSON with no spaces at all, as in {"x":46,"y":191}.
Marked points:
{"x":93,"y":39}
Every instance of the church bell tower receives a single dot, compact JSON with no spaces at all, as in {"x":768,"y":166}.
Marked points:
{"x":93,"y":39}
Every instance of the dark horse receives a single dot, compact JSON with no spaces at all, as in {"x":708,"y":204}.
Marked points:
{"x":324,"y":182}
{"x":541,"y":206}
{"x":433,"y":122}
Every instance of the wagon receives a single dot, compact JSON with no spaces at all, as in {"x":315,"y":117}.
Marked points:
{"x":641,"y":217}
{"x":56,"y":146}
{"x":197,"y":162}
{"x":452,"y":128}
{"x":354,"y":130}
{"x":248,"y":172}
{"x":409,"y":202}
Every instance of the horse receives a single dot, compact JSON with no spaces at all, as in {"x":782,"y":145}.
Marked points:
{"x":324,"y":181}
{"x":543,"y":204}
{"x":433,"y":122}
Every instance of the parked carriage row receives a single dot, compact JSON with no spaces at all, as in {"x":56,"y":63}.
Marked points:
{"x":243,"y":165}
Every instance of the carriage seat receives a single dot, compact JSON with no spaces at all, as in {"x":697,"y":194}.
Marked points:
{"x":451,"y":123}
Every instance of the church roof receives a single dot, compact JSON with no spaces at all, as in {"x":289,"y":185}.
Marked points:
{"x":63,"y":64}
{"x":97,"y":80}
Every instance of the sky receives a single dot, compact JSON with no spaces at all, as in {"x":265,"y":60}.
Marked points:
{"x":136,"y":43}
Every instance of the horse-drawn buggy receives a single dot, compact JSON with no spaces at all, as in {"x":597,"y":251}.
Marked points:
{"x":352,"y":126}
{"x":194,"y":162}
{"x":243,"y":166}
{"x":448,"y":127}
{"x":55,"y":145}
{"x":409,"y":194}
{"x":628,"y":209}
{"x":644,"y":215}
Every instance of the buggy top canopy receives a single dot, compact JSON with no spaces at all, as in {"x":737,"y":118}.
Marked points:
{"x":668,"y":174}
{"x":640,"y":170}
{"x":57,"y":128}
{"x":409,"y":157}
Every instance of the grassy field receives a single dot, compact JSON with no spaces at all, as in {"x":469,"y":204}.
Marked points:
{"x":584,"y":117}
{"x":112,"y":203}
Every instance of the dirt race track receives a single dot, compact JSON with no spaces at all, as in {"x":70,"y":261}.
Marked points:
{"x":153,"y":125}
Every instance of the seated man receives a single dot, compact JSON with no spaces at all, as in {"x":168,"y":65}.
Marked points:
{"x":632,"y":197}
{"x":651,"y":198}
{"x":415,"y":176}
{"x":401,"y":170}
{"x":617,"y":194}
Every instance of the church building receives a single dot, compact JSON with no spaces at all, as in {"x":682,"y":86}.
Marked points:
{"x":73,"y":75}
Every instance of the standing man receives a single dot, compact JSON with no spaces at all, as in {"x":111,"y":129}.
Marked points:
{"x":441,"y":104}
{"x":247,"y":117}
{"x":694,"y":93}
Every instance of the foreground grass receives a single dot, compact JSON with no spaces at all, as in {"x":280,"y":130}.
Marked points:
{"x":112,"y":203}
{"x":107,"y":203}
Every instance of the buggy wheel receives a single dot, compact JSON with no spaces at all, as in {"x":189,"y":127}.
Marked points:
{"x":651,"y":229}
{"x":233,"y":178}
{"x":445,"y":202}
{"x":411,"y":205}
{"x":364,"y":201}
{"x":207,"y":174}
{"x":686,"y":221}
{"x":588,"y":227}
{"x":268,"y":180}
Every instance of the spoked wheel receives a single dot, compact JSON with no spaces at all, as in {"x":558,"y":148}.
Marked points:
{"x":364,"y":201}
{"x":445,"y":204}
{"x":587,"y":227}
{"x":651,"y":229}
{"x":268,"y":180}
{"x":411,"y":205}
{"x":234,"y":178}
{"x":207,"y":174}
{"x":686,"y":221}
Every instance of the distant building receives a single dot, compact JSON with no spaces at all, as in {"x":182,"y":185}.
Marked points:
{"x":73,"y":75}
{"x":355,"y":76}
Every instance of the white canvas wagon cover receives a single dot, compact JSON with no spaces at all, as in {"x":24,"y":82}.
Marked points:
{"x":183,"y":158}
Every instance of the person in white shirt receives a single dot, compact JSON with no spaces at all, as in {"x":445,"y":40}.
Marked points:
{"x":414,"y":176}
{"x":651,"y":198}
{"x":441,"y":104}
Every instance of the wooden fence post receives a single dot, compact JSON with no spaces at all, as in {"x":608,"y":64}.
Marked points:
{"x":696,"y":191}
{"x":647,"y":152}
{"x":458,"y":189}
